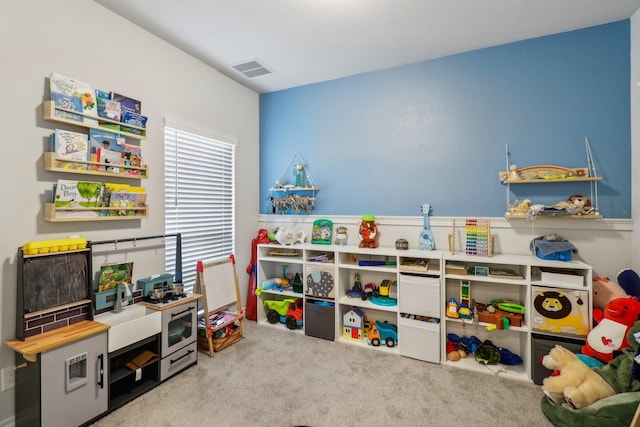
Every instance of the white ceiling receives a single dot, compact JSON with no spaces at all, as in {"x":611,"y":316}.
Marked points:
{"x":309,"y":41}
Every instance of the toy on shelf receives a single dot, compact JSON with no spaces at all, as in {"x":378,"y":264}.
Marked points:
{"x":353,"y":321}
{"x":426,"y":241}
{"x":288,"y":311}
{"x":452,"y":308}
{"x":383,"y":332}
{"x":342,"y":237}
{"x":356,"y":289}
{"x":479,"y":238}
{"x":298,"y":197}
{"x":322,"y":231}
{"x":368,"y":232}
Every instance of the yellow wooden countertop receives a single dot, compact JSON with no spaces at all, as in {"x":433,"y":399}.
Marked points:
{"x":36,"y":344}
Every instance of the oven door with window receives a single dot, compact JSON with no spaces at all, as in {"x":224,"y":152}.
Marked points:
{"x":179,"y":325}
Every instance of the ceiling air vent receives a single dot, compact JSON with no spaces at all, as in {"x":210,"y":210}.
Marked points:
{"x":252,"y":68}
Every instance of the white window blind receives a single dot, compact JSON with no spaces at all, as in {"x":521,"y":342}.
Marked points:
{"x":199,"y":199}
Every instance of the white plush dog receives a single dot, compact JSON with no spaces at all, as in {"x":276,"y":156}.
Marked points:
{"x":573,"y":382}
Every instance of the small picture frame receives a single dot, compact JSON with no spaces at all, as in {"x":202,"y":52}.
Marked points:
{"x":322,"y":232}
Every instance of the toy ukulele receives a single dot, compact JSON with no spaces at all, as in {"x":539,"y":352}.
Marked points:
{"x":426,"y":242}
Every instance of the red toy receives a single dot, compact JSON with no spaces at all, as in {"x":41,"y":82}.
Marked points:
{"x":610,"y":334}
{"x":368,"y":232}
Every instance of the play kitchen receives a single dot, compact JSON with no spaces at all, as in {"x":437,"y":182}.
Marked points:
{"x":85,"y":349}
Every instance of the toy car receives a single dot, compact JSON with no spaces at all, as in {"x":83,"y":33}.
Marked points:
{"x":288,"y":311}
{"x":367,"y":291}
{"x":383,"y":332}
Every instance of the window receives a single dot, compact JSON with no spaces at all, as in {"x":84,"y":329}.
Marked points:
{"x":199,"y":197}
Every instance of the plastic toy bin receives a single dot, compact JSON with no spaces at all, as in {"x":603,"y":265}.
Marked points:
{"x":419,"y":295}
{"x":540,"y":347}
{"x":419,"y":340}
{"x":320,"y":319}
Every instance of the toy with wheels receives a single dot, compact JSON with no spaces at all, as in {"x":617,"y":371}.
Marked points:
{"x":288,"y":311}
{"x":383,"y":332}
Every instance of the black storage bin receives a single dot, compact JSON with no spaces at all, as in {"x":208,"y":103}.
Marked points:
{"x":541,"y":345}
{"x":320,"y":319}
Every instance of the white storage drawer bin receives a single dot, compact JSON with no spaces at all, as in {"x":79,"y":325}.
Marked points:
{"x":419,"y":295}
{"x":419,"y":340}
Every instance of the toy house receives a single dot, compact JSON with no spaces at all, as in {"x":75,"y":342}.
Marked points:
{"x":353,"y":324}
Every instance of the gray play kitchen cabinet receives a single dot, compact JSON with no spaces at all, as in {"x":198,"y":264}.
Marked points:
{"x":61,"y":378}
{"x":73,"y":367}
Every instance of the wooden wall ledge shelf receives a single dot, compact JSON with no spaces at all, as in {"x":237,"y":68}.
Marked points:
{"x":49,"y":113}
{"x":524,"y":216}
{"x":52,"y":164}
{"x":50,"y":211}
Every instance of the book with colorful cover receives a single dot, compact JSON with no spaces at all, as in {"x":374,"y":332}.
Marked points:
{"x":76,"y":194}
{"x":68,"y":102}
{"x":111,"y":159}
{"x":111,"y":275}
{"x":108,"y":109}
{"x":69,"y":145}
{"x":75,"y":88}
{"x":127,"y":103}
{"x":125,"y":201}
{"x":134,"y":119}
{"x":102,"y":140}
{"x":132,"y":157}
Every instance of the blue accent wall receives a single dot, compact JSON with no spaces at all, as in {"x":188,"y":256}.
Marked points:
{"x":435,"y":132}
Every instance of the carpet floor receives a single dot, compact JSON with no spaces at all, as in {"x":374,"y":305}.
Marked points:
{"x":281,"y":378}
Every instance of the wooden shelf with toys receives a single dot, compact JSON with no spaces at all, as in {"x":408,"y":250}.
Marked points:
{"x":574,"y":207}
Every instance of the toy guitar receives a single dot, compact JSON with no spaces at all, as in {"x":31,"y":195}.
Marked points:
{"x":426,"y":242}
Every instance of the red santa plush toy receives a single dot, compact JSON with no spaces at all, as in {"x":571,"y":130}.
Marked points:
{"x":610,"y":334}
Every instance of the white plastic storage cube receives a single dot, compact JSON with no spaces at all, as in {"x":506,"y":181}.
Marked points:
{"x":419,"y":340}
{"x":319,"y":281}
{"x":558,"y":310}
{"x":419,"y":295}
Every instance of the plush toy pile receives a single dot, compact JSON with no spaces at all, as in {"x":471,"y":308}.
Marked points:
{"x":581,"y":393}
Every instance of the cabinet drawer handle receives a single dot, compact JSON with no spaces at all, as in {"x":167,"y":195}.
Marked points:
{"x":187,"y":354}
{"x":182,"y":312}
{"x":101,"y":370}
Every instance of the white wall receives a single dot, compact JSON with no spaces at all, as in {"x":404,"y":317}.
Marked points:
{"x":83,"y":40}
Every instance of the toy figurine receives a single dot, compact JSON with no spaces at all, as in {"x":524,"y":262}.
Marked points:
{"x":368,"y":232}
{"x":341,"y":235}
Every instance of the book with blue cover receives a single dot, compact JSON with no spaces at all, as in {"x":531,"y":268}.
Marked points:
{"x":108,"y":109}
{"x":75,"y":88}
{"x":68,"y":102}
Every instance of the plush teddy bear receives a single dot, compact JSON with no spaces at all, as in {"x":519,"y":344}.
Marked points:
{"x":573,"y":381}
{"x":610,"y":334}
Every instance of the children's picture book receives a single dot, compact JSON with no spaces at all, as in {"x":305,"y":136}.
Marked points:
{"x":69,"y":145}
{"x":108,"y":109}
{"x":68,"y":102}
{"x":75,"y":88}
{"x":133,"y":119}
{"x":111,"y":160}
{"x":106,"y":147}
{"x":70,"y":193}
{"x":132,"y":157}
{"x":113,"y":274}
{"x":125,"y":201}
{"x":127,"y":103}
